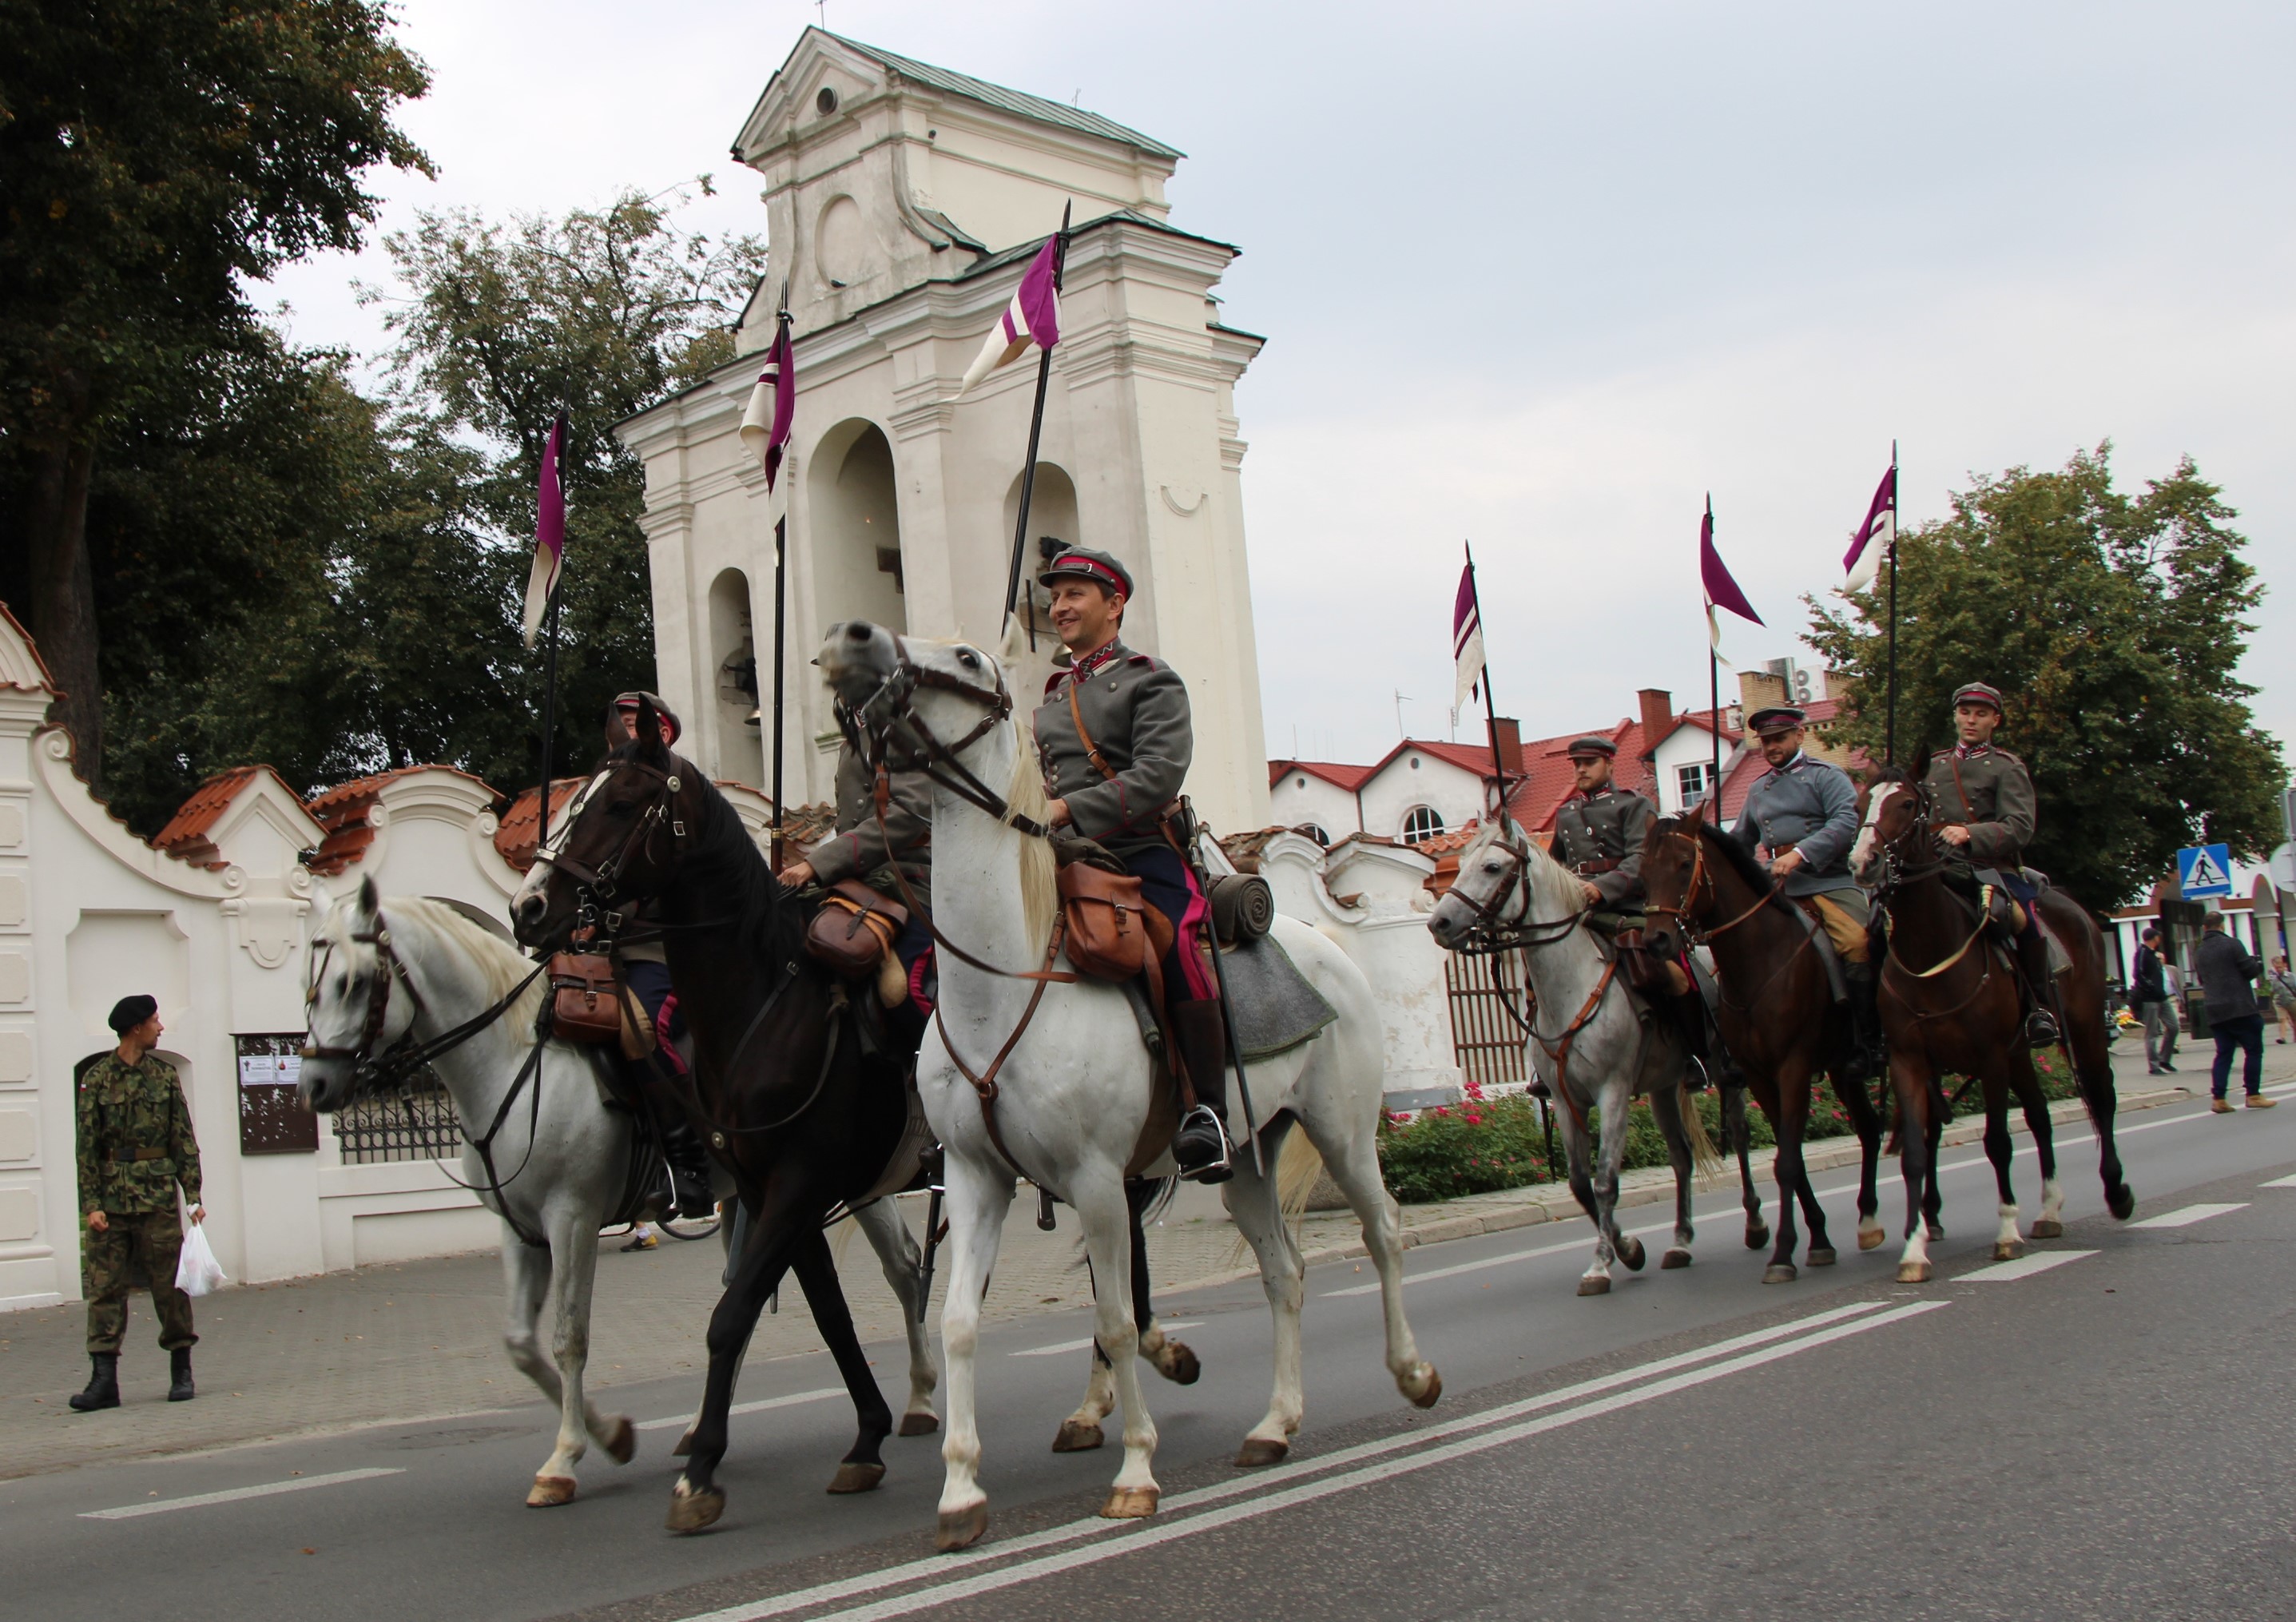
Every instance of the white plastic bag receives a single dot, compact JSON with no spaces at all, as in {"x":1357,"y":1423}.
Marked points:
{"x":198,"y":1272}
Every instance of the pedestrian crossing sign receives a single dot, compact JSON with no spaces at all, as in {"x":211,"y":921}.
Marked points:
{"x":2204,"y":871}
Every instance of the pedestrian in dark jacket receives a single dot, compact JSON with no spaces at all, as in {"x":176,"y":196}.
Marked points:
{"x":2149,"y":1000}
{"x":2228,"y":974}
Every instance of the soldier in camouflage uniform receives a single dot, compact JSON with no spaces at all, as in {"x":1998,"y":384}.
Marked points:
{"x":1598,"y":835}
{"x":136,"y":1147}
{"x":1116,"y":782}
{"x":1985,"y":796}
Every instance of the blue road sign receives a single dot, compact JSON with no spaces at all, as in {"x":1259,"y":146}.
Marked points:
{"x":2204,"y":871}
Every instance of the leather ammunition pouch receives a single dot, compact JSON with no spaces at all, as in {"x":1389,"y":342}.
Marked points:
{"x":854,"y":928}
{"x":586,"y":999}
{"x":1647,"y":971}
{"x":1113,"y":934}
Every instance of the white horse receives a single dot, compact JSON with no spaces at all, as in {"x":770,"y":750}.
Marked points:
{"x":1073,"y":1085}
{"x":1593,"y":1044}
{"x":417,"y":970}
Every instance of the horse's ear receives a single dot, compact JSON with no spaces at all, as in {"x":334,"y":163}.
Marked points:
{"x":370,"y":899}
{"x":647,"y":731}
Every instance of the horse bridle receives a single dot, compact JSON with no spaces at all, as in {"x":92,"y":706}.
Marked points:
{"x":1683,"y":911}
{"x":366,"y":1065}
{"x":602,"y":883}
{"x":869,"y":726}
{"x":1491,"y":930}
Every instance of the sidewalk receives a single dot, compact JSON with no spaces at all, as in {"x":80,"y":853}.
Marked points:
{"x":419,"y":1339}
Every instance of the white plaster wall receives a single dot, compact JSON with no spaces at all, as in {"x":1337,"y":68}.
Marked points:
{"x":1302,"y":797}
{"x":1456,"y":793}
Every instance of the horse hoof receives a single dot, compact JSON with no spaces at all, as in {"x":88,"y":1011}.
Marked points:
{"x":693,"y":1508}
{"x":855,"y":1478}
{"x":2008,"y":1250}
{"x":548,"y":1491}
{"x":1595,"y":1283}
{"x":920,"y":1424}
{"x":2122,"y":1203}
{"x":1758,"y":1235}
{"x":1779,"y":1273}
{"x":1077,"y":1437}
{"x":1257,"y":1453}
{"x":961,"y":1529}
{"x":1869,"y":1238}
{"x":1912,"y":1272}
{"x":1430,"y":1388}
{"x":684,"y":1444}
{"x":1676,"y":1257}
{"x":2048,"y":1228}
{"x":621,"y":1443}
{"x":1631,"y":1253}
{"x":1937,"y":1231}
{"x":1821,"y":1256}
{"x":1130,"y":1504}
{"x":1179,"y":1364}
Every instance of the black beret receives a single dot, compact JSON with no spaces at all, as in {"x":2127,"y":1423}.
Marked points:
{"x":129,"y":1012}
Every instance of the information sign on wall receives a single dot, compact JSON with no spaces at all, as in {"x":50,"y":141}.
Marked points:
{"x":272,"y":1119}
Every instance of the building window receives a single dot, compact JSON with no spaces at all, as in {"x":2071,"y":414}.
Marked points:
{"x":1316,"y":833}
{"x":1693,"y":781}
{"x":1420,"y":824}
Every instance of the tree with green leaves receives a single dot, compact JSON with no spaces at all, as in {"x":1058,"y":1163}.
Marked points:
{"x":155,"y":158}
{"x":2113,"y":625}
{"x":601,"y":314}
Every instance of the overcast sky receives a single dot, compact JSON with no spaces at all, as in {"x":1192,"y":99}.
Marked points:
{"x":1542,"y":276}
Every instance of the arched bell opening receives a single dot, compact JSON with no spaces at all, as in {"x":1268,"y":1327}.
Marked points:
{"x":732,"y":698}
{"x":856,"y":529}
{"x":1052,"y":525}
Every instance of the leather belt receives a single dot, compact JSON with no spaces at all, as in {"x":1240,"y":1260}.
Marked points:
{"x":120,"y":1157}
{"x":1600,"y":864}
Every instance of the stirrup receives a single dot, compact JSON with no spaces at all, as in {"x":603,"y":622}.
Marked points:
{"x":2041,"y":1029}
{"x":1216,"y":1168}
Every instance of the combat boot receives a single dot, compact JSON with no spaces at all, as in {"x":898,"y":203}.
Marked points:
{"x":1867,"y":1060}
{"x":102,"y":1384}
{"x":1202,"y":1145}
{"x":179,"y":1375}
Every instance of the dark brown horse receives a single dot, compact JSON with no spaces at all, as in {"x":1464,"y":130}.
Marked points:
{"x":792,"y":1106}
{"x":1951,"y":1004}
{"x":1779,"y":1016}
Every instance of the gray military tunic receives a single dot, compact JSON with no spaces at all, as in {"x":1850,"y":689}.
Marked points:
{"x":1989,"y":791}
{"x":1811,"y":806}
{"x":859,"y":849}
{"x":1135,"y":707}
{"x":1599,"y":836}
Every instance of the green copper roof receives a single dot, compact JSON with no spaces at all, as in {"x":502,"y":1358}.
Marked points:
{"x":1011,"y":101}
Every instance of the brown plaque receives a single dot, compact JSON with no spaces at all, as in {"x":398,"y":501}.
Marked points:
{"x":272,"y":1119}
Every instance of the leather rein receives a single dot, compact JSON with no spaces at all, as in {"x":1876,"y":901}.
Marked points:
{"x":1683,"y":914}
{"x":1898,"y":871}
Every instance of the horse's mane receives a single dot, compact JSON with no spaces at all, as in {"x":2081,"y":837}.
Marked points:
{"x":733,"y":869}
{"x":500,"y":965}
{"x":1729,"y":851}
{"x":1040,"y":890}
{"x":1553,"y":888}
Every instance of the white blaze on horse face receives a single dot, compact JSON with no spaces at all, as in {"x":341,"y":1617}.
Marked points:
{"x":1869,"y":837}
{"x":537,"y":876}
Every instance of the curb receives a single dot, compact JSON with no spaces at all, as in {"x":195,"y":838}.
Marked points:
{"x":1547,"y":1202}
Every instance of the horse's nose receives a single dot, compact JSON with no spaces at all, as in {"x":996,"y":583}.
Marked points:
{"x":528,"y":911}
{"x":859,"y":630}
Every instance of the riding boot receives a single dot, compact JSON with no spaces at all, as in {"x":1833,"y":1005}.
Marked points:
{"x":1867,"y":1059}
{"x":102,"y":1384}
{"x":1698,"y":1037}
{"x":2033,"y":969}
{"x":689,"y":1168}
{"x":179,"y":1375}
{"x":1202,"y":1145}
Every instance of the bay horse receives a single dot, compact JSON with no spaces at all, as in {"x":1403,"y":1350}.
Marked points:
{"x":802,"y":1119}
{"x":1613,"y":1048}
{"x":1950,"y":1004}
{"x":1776,"y":1011}
{"x":1028,"y":1070}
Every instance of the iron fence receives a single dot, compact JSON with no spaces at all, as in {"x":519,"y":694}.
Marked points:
{"x":1485,"y":1038}
{"x":416,"y":1123}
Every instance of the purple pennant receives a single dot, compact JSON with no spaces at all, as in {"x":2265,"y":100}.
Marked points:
{"x":549,"y":531}
{"x":1721,"y":591}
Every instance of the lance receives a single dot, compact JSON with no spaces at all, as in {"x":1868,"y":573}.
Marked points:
{"x":1490,"y":705}
{"x":1035,"y":433}
{"x":781,"y":673}
{"x":550,"y":655}
{"x":1890,"y":726}
{"x":1714,"y":698}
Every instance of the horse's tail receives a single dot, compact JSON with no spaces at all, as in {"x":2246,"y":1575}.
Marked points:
{"x":1298,"y":1169}
{"x":1704,"y":1155}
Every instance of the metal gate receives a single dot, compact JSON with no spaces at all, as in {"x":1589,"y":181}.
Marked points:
{"x":415,"y":1123}
{"x":1485,"y":1038}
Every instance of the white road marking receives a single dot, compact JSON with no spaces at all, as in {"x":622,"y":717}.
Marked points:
{"x":759,"y":1406}
{"x":2188,"y":1215}
{"x":2023,"y":1267}
{"x":2289,"y":1182}
{"x":2061,"y":1140}
{"x":1139,"y":1535}
{"x":1085,"y":1345}
{"x":130,"y":1511}
{"x":891,"y":1576}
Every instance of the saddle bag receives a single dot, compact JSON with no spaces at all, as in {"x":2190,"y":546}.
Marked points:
{"x":586,"y":999}
{"x":1112,"y":932}
{"x":854,"y":929}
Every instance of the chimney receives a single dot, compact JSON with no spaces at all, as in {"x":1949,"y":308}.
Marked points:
{"x":1759,"y":690}
{"x":1658,"y":716}
{"x":1506,"y":745}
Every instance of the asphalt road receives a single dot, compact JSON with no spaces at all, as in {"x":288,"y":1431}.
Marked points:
{"x":2102,"y":1434}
